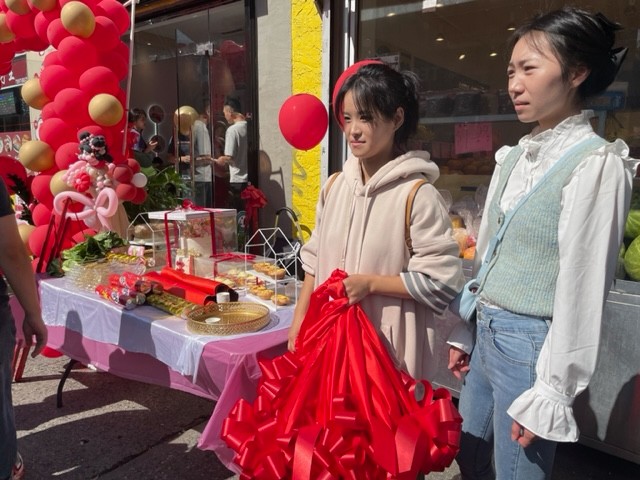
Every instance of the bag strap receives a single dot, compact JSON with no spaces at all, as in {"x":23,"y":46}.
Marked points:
{"x":407,"y":214}
{"x":330,"y":180}
{"x":582,"y":148}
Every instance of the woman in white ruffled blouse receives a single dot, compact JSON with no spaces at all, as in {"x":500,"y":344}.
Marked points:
{"x":536,"y":336}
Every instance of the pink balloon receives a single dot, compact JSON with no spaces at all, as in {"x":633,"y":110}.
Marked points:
{"x":72,"y":105}
{"x":98,"y":80}
{"x":37,"y":240}
{"x":341,"y":79}
{"x":115,"y":11}
{"x":41,"y":191}
{"x":116,"y":63}
{"x":56,"y":77}
{"x":67,"y":154}
{"x":56,"y":132}
{"x":21,"y":25}
{"x":77,"y":54}
{"x":303,"y":121}
{"x":41,"y":214}
{"x":106,"y":35}
{"x":56,"y":32}
{"x":99,"y":211}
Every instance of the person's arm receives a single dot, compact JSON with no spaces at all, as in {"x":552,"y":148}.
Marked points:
{"x":231,"y":140}
{"x":16,"y":265}
{"x":595,"y":204}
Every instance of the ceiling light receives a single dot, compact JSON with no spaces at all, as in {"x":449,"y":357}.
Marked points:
{"x":493,"y":54}
{"x":440,"y":38}
{"x":462,"y":56}
{"x":391,"y":14}
{"x":511,"y":28}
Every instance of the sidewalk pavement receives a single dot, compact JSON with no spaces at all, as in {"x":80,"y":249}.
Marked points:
{"x":117,"y":429}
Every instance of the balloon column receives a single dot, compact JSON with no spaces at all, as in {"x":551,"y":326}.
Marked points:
{"x":82,"y":109}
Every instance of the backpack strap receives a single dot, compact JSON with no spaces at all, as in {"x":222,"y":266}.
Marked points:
{"x":407,"y":214}
{"x":330,"y":180}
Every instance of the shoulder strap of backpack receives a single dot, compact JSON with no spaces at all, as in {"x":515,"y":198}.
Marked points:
{"x":330,"y":180}
{"x":407,"y":214}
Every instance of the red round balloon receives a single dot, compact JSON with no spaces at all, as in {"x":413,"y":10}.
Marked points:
{"x":72,"y":105}
{"x":41,"y":191}
{"x":122,"y":174}
{"x":7,"y":52}
{"x":133,"y":165}
{"x":116,"y":63}
{"x":341,"y":79}
{"x":41,"y":24}
{"x":56,"y":132}
{"x":66,"y":154}
{"x":56,"y":77}
{"x":99,"y":80}
{"x":50,"y":352}
{"x":77,"y":54}
{"x":105,"y":35}
{"x":303,"y":121}
{"x":5,"y":67}
{"x":140,"y":196}
{"x":30,"y":44}
{"x":41,"y":214}
{"x":56,"y":32}
{"x":51,"y":58}
{"x":48,"y":111}
{"x":115,"y":11}
{"x":126,"y":192}
{"x":21,"y":25}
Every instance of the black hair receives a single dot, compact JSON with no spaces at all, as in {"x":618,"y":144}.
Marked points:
{"x":578,"y":38}
{"x":135,"y":114}
{"x":378,"y":89}
{"x":233,"y":102}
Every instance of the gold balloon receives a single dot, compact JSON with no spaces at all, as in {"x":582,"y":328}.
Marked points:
{"x":44,"y":5}
{"x":6,"y":35}
{"x":18,"y":6}
{"x":106,"y":110}
{"x":184,"y":117}
{"x":32,"y":94}
{"x":78,"y":19}
{"x":36,"y":156}
{"x":24,"y":229}
{"x":57,"y":183}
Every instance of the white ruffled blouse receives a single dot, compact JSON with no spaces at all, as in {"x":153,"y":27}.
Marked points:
{"x":595,"y":203}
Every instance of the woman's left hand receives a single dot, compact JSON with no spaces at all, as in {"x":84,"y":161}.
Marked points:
{"x":521,"y":435}
{"x":357,"y":287}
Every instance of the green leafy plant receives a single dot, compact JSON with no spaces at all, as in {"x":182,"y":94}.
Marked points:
{"x":163,"y":190}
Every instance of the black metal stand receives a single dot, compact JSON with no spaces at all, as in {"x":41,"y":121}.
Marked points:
{"x":65,"y":374}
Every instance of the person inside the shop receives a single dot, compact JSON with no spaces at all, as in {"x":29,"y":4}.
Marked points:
{"x":143,"y":152}
{"x":202,"y":151}
{"x":360,"y":221}
{"x":235,"y":155}
{"x":15,"y":264}
{"x":542,"y":294}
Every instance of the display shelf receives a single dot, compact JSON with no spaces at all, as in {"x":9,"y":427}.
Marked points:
{"x":156,"y":243}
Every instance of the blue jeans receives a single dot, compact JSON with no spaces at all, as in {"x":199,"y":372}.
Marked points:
{"x":8,"y":441}
{"x":503,"y":365}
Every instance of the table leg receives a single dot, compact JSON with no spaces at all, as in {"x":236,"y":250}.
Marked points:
{"x":65,"y":374}
{"x":21,"y":362}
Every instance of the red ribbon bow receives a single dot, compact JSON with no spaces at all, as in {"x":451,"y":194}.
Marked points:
{"x":254,"y":199}
{"x":338,"y":408}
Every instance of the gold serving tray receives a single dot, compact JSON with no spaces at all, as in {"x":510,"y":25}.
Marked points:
{"x":231,"y":318}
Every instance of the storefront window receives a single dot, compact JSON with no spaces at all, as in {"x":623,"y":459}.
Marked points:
{"x":458,"y":49}
{"x":194,"y":60}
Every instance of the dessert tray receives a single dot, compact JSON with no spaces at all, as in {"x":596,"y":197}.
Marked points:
{"x":230,"y":318}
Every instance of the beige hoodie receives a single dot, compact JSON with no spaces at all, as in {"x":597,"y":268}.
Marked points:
{"x":360,"y":229}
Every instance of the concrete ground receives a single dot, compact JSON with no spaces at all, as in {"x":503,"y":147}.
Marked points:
{"x":111,"y":428}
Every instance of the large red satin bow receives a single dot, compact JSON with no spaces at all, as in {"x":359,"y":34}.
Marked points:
{"x":254,"y":199}
{"x":338,"y":407}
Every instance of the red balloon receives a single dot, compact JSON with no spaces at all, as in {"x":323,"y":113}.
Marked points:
{"x":122,"y":49}
{"x":72,"y":105}
{"x":341,"y":79}
{"x":116,"y":63}
{"x":51,"y":58}
{"x":41,"y":214}
{"x":79,"y":236}
{"x":140,"y":196}
{"x":66,"y":154}
{"x":105,"y":35}
{"x":303,"y":121}
{"x":56,"y":32}
{"x":56,"y":77}
{"x":122,"y":174}
{"x":126,"y":192}
{"x":41,"y":24}
{"x":11,"y":170}
{"x":115,"y":11}
{"x":77,"y":54}
{"x":133,"y":165}
{"x":56,"y":132}
{"x":48,"y":111}
{"x":21,"y":25}
{"x":98,"y":130}
{"x":99,"y":80}
{"x":50,"y":352}
{"x":7,"y":52}
{"x":33,"y":44}
{"x":42,"y":192}
{"x":5,"y":68}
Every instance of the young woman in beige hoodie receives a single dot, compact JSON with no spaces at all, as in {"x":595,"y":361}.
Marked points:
{"x":360,"y":221}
